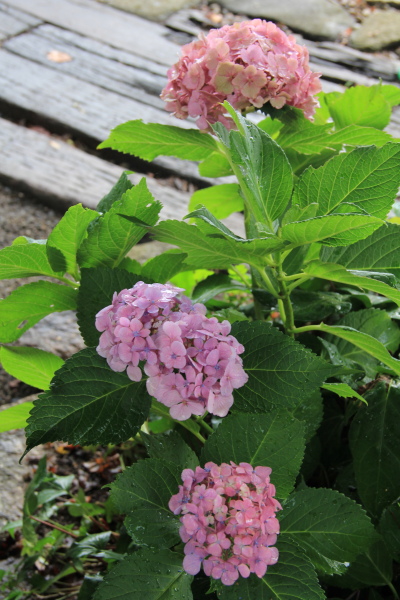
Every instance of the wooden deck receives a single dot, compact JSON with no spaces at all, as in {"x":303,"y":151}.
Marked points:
{"x":54,"y":114}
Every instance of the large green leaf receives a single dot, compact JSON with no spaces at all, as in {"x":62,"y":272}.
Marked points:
{"x":264,"y":168}
{"x":379,"y":252}
{"x":88,"y":403}
{"x":324,"y":522}
{"x":206,"y":247}
{"x":222,"y":200}
{"x":373,"y":322}
{"x":147,"y":575}
{"x":389,"y":528}
{"x":313,"y":139}
{"x":163,"y":267}
{"x":331,"y":230}
{"x":66,"y":237}
{"x":281,"y":371}
{"x":375,"y":446}
{"x":274,"y":440}
{"x":292,"y":578}
{"x":215,"y":165}
{"x":96,"y":292}
{"x":373,"y":567}
{"x":309,"y":306}
{"x":214,"y":285}
{"x":142,"y":492}
{"x":29,"y":303}
{"x":117,"y":191}
{"x":367,"y":178}
{"x":171,"y":447}
{"x":15,"y":417}
{"x":338,"y":273}
{"x":25,"y":260}
{"x":30,"y":365}
{"x":112,"y":236}
{"x":360,"y":105}
{"x":343,"y":390}
{"x":149,"y":140}
{"x":364,"y":342}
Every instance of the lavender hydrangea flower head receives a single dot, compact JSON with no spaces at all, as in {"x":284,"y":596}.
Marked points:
{"x":249,"y":64}
{"x":228,"y":520}
{"x":192,"y":361}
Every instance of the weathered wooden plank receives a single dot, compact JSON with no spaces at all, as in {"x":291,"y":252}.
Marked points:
{"x":65,"y":175}
{"x":13,"y":21}
{"x":103,"y":72}
{"x":77,"y":105}
{"x":105,"y":23}
{"x":338,"y":73}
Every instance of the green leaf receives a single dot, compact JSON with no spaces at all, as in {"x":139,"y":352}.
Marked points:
{"x":380,"y":252}
{"x":310,"y":413}
{"x":375,"y":446}
{"x":29,"y":303}
{"x":343,"y":390}
{"x":149,"y":140}
{"x":115,"y":194}
{"x":313,"y":139}
{"x":367,"y":178}
{"x":96,"y":292}
{"x":215,"y":165}
{"x":219,"y":252}
{"x":274,"y":440}
{"x":30,"y":365}
{"x":25,"y":260}
{"x":389,"y":528}
{"x":359,"y":105}
{"x":143,"y":491}
{"x":264,"y":168}
{"x":324,"y":522}
{"x":292,"y":578}
{"x":88,"y":403}
{"x":163,"y":267}
{"x":364,"y":342}
{"x":221,"y":200}
{"x":373,"y":567}
{"x":282,"y":372}
{"x":15,"y":417}
{"x":112,"y":236}
{"x":214,"y":285}
{"x":332,"y":272}
{"x":331,"y":230}
{"x":171,"y":447}
{"x":309,"y":306}
{"x":66,"y":237}
{"x":149,"y":575}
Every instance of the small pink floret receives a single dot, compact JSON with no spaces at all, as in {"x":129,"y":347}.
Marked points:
{"x":223,"y":510}
{"x":249,"y":64}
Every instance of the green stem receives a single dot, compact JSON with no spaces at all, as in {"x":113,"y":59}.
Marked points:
{"x":307,"y":328}
{"x":68,"y":281}
{"x":296,"y":284}
{"x":284,"y":297}
{"x":240,"y":276}
{"x":393,"y":590}
{"x":161,"y":412}
{"x":203,"y":424}
{"x":267,"y":281}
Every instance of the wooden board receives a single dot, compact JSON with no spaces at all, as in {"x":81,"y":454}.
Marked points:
{"x":13,"y":21}
{"x":78,"y":106}
{"x":106,"y":73}
{"x":104,"y":23}
{"x":64,"y":175}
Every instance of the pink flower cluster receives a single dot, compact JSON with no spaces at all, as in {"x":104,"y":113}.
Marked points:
{"x":228,"y":524}
{"x":192,"y":362}
{"x":248,"y":64}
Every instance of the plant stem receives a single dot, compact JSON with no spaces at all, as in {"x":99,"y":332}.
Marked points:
{"x":295,"y":284}
{"x":285,"y":302}
{"x":240,"y":276}
{"x":267,"y":281}
{"x":73,"y":284}
{"x":74,"y":535}
{"x":307,"y":328}
{"x":203,"y":424}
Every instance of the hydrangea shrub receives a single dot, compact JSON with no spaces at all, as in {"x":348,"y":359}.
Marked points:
{"x":260,"y":373}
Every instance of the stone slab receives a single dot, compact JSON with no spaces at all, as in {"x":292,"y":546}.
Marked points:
{"x":157,"y":10}
{"x":324,"y":19}
{"x":381,"y":29}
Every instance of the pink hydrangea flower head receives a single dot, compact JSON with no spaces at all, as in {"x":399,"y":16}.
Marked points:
{"x":225,"y":512}
{"x":192,"y":362}
{"x":249,"y":64}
